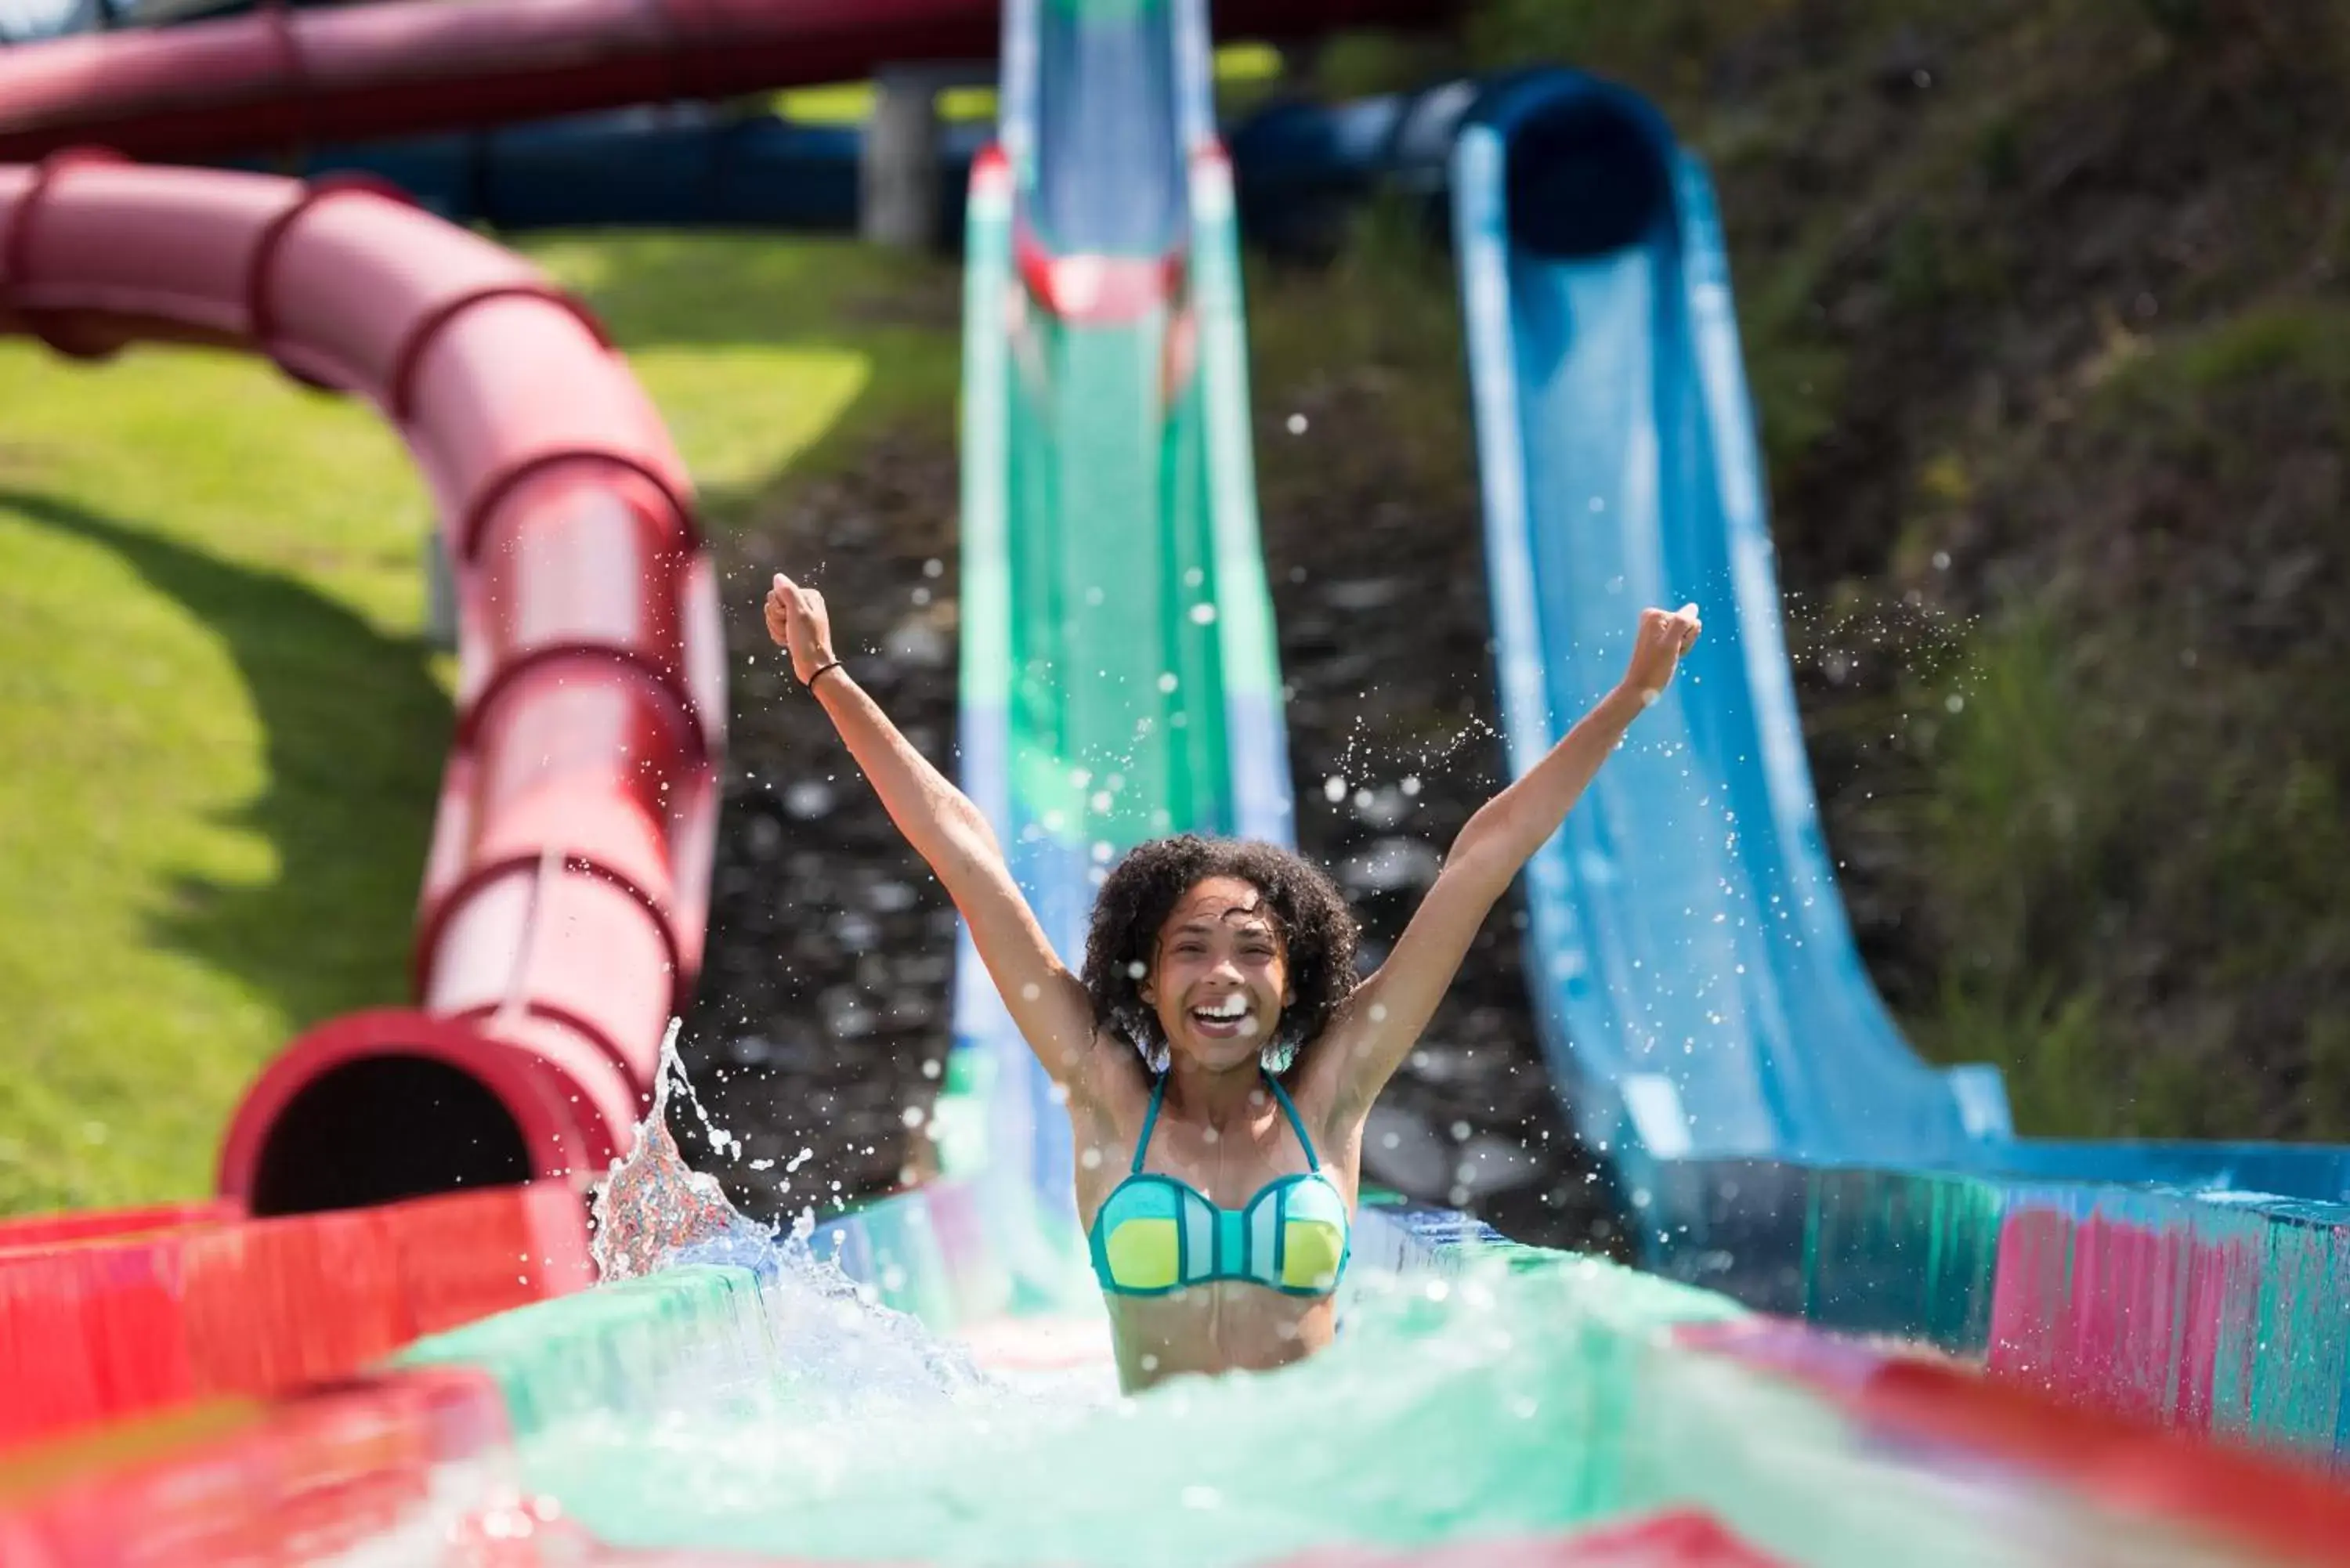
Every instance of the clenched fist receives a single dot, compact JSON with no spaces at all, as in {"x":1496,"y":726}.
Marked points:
{"x":798,"y":622}
{"x":1657,"y":646}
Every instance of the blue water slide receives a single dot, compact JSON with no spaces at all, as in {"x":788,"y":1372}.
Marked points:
{"x":670,"y":165}
{"x":1107,"y":177}
{"x":1696,"y":980}
{"x":1302,"y":167}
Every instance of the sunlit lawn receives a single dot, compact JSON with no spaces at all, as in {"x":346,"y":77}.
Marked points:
{"x":221,"y":729}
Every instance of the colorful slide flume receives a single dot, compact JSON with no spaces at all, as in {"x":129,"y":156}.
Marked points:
{"x":1700,"y":994}
{"x":1119,"y":677}
{"x":1697,"y":985}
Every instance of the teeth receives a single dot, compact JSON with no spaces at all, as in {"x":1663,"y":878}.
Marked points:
{"x":1230,"y":1007}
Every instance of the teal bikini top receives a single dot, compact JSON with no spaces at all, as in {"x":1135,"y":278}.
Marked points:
{"x":1155,"y":1233}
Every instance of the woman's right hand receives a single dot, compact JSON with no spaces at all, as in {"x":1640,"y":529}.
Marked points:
{"x":798,"y":622}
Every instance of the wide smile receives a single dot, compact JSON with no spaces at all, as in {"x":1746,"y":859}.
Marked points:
{"x":1229,"y":1018}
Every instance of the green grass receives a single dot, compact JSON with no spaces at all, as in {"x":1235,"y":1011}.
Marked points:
{"x":1239,"y":67}
{"x":850,"y":103}
{"x":1383,"y":319}
{"x":772,"y":358}
{"x":2134,"y":854}
{"x":223,"y":732}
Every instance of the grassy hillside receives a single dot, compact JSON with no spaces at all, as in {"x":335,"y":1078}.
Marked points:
{"x":2045,"y":309}
{"x":224,"y":731}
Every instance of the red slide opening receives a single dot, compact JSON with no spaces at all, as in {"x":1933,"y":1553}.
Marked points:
{"x":561,"y":915}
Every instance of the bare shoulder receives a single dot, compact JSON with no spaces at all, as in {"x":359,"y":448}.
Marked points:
{"x":1329,"y":1075}
{"x":1318,"y":1083}
{"x":1106,"y":1105}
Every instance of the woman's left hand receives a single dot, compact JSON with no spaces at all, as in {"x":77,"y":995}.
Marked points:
{"x":1656,"y":650}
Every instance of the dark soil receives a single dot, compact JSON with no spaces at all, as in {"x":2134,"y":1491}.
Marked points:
{"x":823,"y":1015}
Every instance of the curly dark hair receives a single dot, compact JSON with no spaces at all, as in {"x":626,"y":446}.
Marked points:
{"x":1316,"y":929}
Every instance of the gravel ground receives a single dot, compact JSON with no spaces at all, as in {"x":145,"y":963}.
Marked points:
{"x":823,"y":1017}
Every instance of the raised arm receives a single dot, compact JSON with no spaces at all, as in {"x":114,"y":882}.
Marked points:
{"x":952,"y":834}
{"x":1382,"y":1020}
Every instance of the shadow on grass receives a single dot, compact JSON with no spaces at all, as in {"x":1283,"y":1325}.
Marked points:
{"x":354,"y":728}
{"x":355,"y":731}
{"x":674,"y":289}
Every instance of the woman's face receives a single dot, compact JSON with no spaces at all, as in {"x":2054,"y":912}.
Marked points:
{"x":1220,"y":975}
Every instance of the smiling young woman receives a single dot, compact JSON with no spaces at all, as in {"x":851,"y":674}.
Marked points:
{"x":1219,"y":1053}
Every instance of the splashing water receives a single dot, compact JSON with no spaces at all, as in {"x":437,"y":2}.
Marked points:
{"x":776,"y":1406}
{"x":825,"y":1342}
{"x":653,"y":1208}
{"x":1519,"y":1396}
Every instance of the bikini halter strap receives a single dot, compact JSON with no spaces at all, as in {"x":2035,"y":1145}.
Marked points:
{"x":1142,"y":1144}
{"x":1297,"y":1124}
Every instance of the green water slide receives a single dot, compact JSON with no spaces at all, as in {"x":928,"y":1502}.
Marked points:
{"x":1118,"y":674}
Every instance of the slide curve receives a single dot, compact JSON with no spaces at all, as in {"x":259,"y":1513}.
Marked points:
{"x":281,"y":79}
{"x":1696,"y":982}
{"x":561,"y":919}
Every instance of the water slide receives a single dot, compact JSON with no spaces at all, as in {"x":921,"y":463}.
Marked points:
{"x":579,"y":795}
{"x":1699,"y":988}
{"x":1119,"y":677}
{"x":1487,"y":1403}
{"x":280,"y":79}
{"x":681,"y":166}
{"x":1696,"y":982}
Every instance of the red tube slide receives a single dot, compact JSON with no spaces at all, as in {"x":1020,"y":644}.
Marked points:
{"x":277,"y":78}
{"x":562,"y":912}
{"x":94,"y":1332}
{"x":331,"y":1475}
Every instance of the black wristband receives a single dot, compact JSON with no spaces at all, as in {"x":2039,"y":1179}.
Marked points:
{"x":818,"y":674}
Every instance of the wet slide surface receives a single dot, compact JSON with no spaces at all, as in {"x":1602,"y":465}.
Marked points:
{"x":1697,"y":980}
{"x":1119,"y":680}
{"x":1702,"y":1001}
